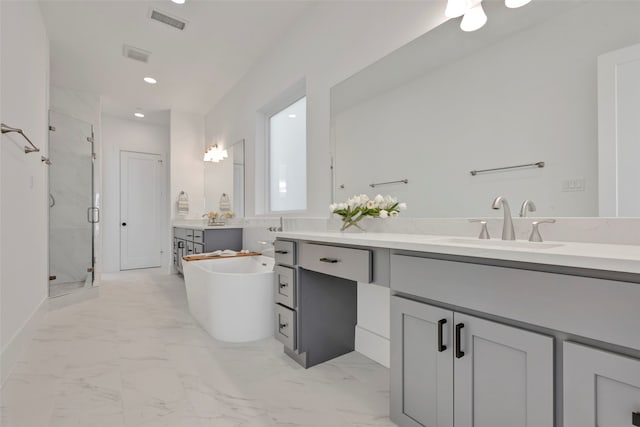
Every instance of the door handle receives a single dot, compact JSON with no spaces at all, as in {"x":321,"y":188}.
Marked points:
{"x":52,"y":200}
{"x":124,"y":224}
{"x":441,"y":346}
{"x":459,"y":353}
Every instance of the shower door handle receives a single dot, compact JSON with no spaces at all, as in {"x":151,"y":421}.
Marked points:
{"x":52,"y":200}
{"x":93,"y":215}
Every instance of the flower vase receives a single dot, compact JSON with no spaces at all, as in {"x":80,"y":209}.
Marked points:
{"x":347,"y":223}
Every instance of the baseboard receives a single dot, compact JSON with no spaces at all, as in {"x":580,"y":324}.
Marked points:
{"x":374,"y":346}
{"x":18,"y":343}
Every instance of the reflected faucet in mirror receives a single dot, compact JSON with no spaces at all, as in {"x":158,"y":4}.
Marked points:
{"x":527,"y":206}
{"x":508,"y":233}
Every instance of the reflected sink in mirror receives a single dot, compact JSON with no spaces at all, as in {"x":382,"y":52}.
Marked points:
{"x":506,"y":244}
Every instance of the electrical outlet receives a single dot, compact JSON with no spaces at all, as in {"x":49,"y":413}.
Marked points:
{"x":573,"y":184}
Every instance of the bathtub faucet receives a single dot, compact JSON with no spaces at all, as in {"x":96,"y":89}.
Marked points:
{"x":277,"y":228}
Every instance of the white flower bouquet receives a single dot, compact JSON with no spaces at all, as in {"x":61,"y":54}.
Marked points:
{"x":358,"y":207}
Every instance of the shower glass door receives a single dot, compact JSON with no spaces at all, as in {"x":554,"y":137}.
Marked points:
{"x":71,"y":212}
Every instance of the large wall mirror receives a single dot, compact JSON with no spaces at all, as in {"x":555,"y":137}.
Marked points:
{"x":226,"y":177}
{"x":521,"y":90}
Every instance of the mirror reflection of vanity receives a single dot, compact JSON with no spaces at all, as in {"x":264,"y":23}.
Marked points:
{"x":226,"y":177}
{"x":522,"y":90}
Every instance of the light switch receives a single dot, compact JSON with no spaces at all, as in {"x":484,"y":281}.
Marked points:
{"x":573,"y":184}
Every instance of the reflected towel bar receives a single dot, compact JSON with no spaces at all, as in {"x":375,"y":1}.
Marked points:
{"x":537,"y":164}
{"x":403,"y":181}
{"x":27,"y":149}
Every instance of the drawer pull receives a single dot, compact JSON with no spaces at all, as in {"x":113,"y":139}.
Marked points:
{"x":441,"y":346}
{"x":281,"y":252}
{"x":635,"y":419}
{"x":189,"y":235}
{"x":459,"y":353}
{"x":329,"y":260}
{"x":283,"y":285}
{"x":281,"y":326}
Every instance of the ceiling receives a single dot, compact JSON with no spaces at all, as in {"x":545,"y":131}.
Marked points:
{"x":194,"y":67}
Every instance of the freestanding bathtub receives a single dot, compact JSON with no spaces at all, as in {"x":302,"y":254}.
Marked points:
{"x":232,"y":298}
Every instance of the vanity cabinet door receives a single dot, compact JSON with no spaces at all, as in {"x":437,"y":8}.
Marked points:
{"x":600,"y":388}
{"x":421,"y":364}
{"x":503,"y":375}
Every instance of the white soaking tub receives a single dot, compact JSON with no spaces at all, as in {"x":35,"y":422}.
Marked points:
{"x":232,"y":298}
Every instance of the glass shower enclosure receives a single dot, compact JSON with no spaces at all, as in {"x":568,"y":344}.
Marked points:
{"x":71,"y":210}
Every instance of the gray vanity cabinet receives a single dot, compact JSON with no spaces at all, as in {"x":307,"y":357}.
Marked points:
{"x":600,"y":388}
{"x":189,"y":241}
{"x":498,"y":375}
{"x":421,"y":364}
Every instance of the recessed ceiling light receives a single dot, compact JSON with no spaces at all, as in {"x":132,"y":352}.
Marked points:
{"x":138,"y":115}
{"x":178,"y":1}
{"x":150,"y":80}
{"x":292,"y":116}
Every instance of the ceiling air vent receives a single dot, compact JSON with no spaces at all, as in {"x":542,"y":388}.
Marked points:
{"x":167,"y":19}
{"x":135,"y":53}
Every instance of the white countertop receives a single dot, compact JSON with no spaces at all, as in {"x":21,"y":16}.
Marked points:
{"x":205,"y":227}
{"x":607,"y":257}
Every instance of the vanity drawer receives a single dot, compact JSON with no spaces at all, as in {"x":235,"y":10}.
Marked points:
{"x":285,"y":252}
{"x":198,"y":236}
{"x":286,"y":326}
{"x":348,"y":263}
{"x":178,"y":233}
{"x":285,"y":292}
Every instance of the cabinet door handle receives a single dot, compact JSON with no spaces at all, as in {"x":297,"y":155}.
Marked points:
{"x":635,"y":419}
{"x":281,"y":252}
{"x":283,"y":285}
{"x":441,"y":346}
{"x":282,"y":325}
{"x":459,"y":353}
{"x":329,"y":260}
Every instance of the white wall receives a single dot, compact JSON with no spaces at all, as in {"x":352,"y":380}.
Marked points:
{"x":187,"y":165}
{"x":24,"y":85}
{"x":529,"y":98}
{"x":128,"y":135}
{"x":331,"y":42}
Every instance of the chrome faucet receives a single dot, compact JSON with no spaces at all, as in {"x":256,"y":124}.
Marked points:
{"x":508,"y":233}
{"x":527,"y":206}
{"x":277,"y":228}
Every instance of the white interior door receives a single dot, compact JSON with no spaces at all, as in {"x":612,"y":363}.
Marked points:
{"x":140,"y":210}
{"x":619,"y":132}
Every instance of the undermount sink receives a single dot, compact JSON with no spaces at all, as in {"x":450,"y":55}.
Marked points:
{"x":499,"y":243}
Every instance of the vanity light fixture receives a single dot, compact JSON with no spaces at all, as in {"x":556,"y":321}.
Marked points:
{"x":215,"y":154}
{"x":150,"y":80}
{"x":474,"y":16}
{"x":514,"y":4}
{"x":474,"y":19}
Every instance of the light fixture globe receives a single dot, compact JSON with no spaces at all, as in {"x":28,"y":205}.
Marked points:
{"x":514,"y":4}
{"x":455,"y":8}
{"x":474,"y":19}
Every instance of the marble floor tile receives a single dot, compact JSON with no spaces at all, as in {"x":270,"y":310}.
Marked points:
{"x":132,"y":356}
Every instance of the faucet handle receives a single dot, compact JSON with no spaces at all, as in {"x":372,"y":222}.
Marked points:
{"x":535,"y":231}
{"x":484,"y":232}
